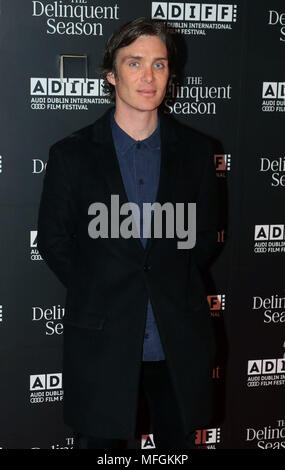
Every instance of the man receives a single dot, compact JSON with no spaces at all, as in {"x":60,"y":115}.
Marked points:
{"x":136,"y":317}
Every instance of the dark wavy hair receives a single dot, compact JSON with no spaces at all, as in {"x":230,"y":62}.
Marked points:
{"x":127,"y":34}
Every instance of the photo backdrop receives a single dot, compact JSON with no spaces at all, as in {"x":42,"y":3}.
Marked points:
{"x":230,"y":86}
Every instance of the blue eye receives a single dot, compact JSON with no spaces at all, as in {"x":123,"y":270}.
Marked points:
{"x":160,"y":65}
{"x":133,"y":63}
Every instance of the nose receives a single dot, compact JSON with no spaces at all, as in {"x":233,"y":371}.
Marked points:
{"x":148,"y":74}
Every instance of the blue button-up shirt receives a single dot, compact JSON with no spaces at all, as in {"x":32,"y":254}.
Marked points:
{"x":140,"y":167}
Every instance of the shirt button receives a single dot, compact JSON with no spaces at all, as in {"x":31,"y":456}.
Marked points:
{"x":138,"y":145}
{"x":147,"y":267}
{"x":146,"y":335}
{"x":141,"y":181}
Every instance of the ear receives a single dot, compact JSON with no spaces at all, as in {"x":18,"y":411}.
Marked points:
{"x":111,"y":79}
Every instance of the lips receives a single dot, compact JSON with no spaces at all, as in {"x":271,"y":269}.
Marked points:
{"x":147,"y":92}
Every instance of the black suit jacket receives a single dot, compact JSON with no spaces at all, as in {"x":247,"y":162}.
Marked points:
{"x":109,"y":280}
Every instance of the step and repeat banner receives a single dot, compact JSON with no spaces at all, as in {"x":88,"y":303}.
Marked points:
{"x":231,"y":87}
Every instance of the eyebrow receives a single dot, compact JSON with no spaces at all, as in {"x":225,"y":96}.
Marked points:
{"x":140,"y":57}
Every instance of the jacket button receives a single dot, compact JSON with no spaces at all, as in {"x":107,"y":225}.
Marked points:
{"x":147,"y":267}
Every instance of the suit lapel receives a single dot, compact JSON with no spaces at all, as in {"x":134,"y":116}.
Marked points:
{"x":168,"y":167}
{"x":102,"y":134}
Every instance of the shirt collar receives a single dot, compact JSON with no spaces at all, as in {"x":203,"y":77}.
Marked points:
{"x":126,"y":141}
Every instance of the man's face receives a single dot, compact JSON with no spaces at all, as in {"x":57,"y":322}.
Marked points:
{"x":142,"y":74}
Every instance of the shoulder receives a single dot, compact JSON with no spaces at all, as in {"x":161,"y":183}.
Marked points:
{"x":65,"y":155}
{"x":73,"y":140}
{"x":188,"y":136}
{"x":194,"y":149}
{"x":81,"y":138}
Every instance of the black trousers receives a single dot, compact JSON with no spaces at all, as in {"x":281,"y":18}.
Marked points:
{"x":165,"y":415}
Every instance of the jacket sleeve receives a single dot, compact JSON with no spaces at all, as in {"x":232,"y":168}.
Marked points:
{"x":206,"y":214}
{"x":57,"y":218}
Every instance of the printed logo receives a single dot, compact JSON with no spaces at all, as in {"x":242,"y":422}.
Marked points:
{"x":273,"y":95}
{"x":35,"y":255}
{"x":274,"y":167}
{"x":217,"y":304}
{"x":222,"y":164}
{"x":216,"y":372}
{"x":38,"y":166}
{"x":196,"y":97}
{"x":221,"y":236}
{"x":46,"y":388}
{"x":269,"y":239}
{"x":66,"y":445}
{"x":267,"y":437}
{"x":208,"y":438}
{"x":276,"y":18}
{"x":147,"y":441}
{"x":84,"y":18}
{"x":265,"y":372}
{"x":51,"y":317}
{"x":67,"y":94}
{"x":273,"y":308}
{"x":195,"y":19}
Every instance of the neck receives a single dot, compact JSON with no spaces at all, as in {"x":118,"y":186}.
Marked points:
{"x":137,"y":124}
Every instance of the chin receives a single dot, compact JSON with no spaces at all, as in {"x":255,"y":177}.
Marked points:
{"x":150,"y":106}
